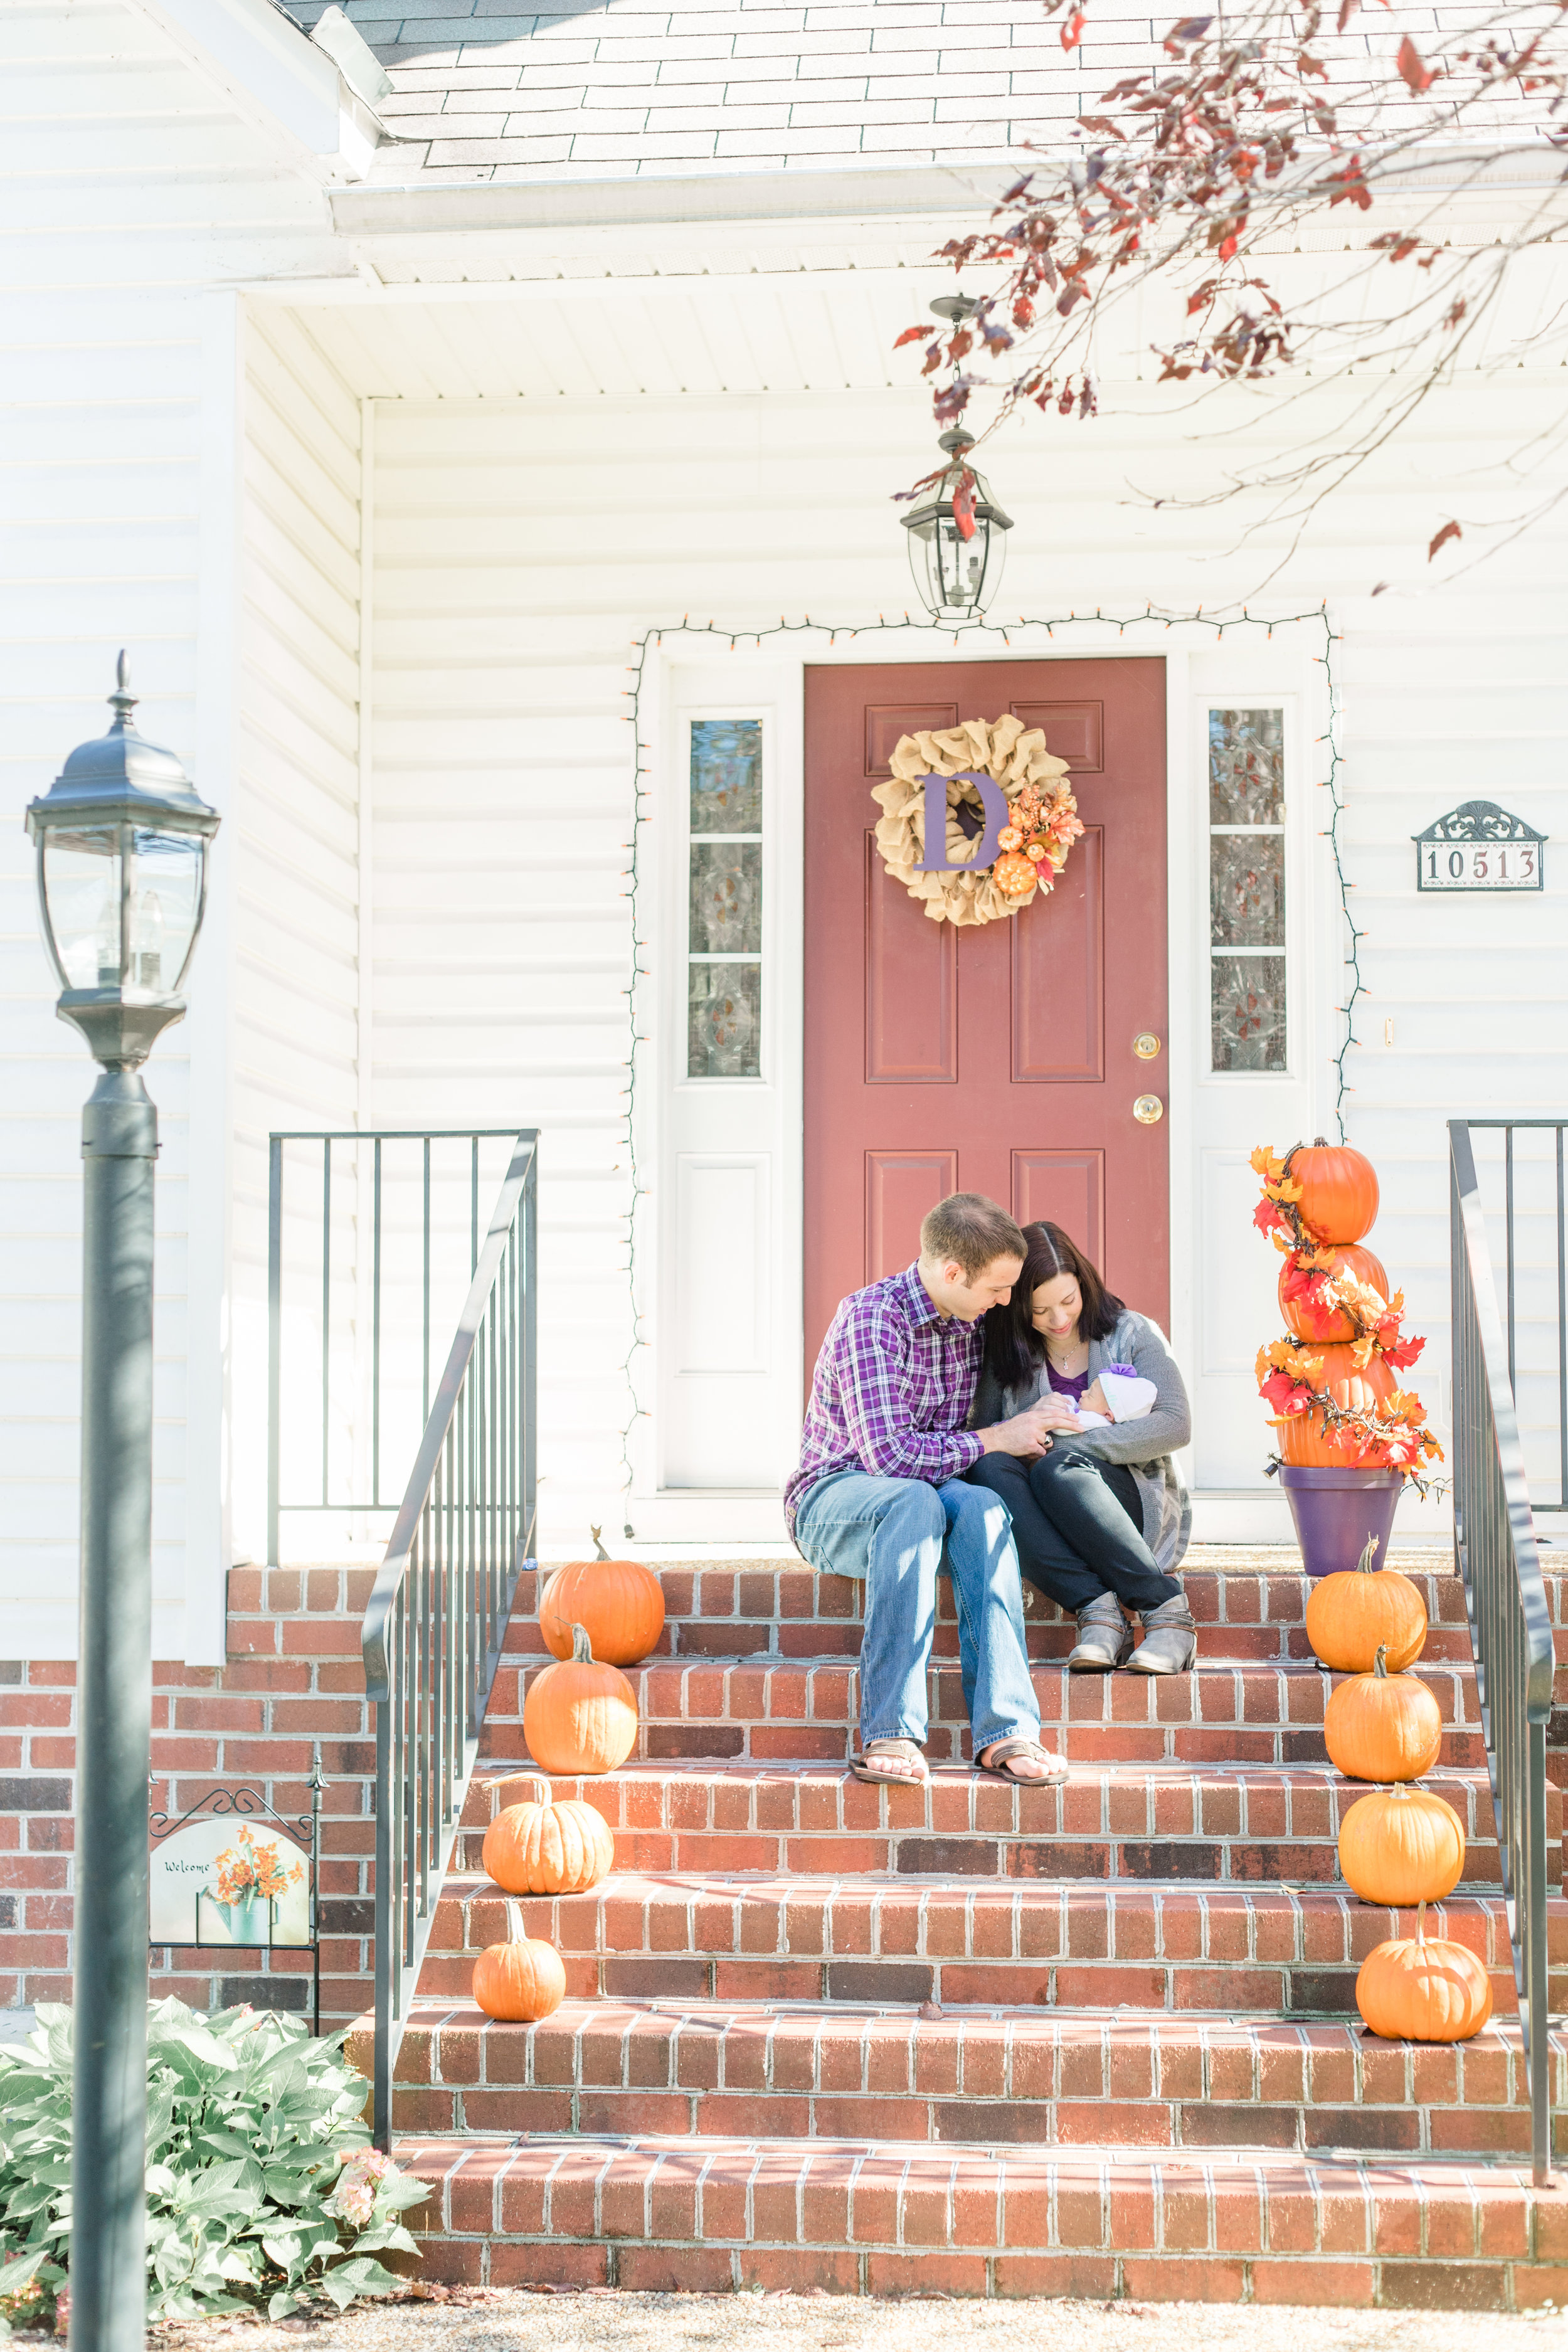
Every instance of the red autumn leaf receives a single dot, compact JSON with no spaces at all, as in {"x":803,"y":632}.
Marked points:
{"x":1347,"y":10}
{"x":964,"y":506}
{"x":1449,"y":531}
{"x":1403,"y":1355}
{"x":1419,"y":76}
{"x":1072,"y":31}
{"x":1227,"y":248}
{"x":910,"y":335}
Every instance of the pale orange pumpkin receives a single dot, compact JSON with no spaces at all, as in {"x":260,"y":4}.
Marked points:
{"x":548,"y":1846}
{"x":522,"y":1979}
{"x":1307,"y":1439}
{"x":1015,"y":874}
{"x":619,"y":1601}
{"x":1338,"y":1189}
{"x":1383,"y":1727}
{"x":1306,"y":1320}
{"x":1401,"y":1847}
{"x":1358,"y":1611}
{"x":580,"y":1716}
{"x":1424,"y":1989}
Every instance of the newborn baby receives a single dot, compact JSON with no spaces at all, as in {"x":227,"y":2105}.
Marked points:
{"x":1119,"y":1394}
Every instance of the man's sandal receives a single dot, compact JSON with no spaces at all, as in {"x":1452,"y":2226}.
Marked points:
{"x":1002,"y":1751}
{"x":861,"y":1764}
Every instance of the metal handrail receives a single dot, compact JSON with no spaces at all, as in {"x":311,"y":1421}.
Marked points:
{"x":1511,"y":1623}
{"x":438,"y":1614}
{"x":355,"y":1138}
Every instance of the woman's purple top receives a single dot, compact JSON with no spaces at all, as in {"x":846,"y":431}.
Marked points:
{"x":1067,"y":1384}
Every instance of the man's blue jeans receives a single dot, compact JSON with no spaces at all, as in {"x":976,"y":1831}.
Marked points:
{"x":900,"y":1534}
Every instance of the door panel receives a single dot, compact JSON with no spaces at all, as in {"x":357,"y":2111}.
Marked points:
{"x":1059,"y":973}
{"x":997,"y":1059}
{"x":898,"y":1194}
{"x":911,"y":987}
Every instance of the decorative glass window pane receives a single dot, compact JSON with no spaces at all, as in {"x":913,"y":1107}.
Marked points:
{"x":1246,"y":767}
{"x":726,"y":897}
{"x":1248,"y":1013}
{"x":1246,"y":889}
{"x":726,"y":775}
{"x":724,"y":1021}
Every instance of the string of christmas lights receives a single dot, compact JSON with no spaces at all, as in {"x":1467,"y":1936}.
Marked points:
{"x":1153,"y":616}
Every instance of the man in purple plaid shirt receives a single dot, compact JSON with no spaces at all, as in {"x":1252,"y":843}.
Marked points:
{"x":880,"y":1495}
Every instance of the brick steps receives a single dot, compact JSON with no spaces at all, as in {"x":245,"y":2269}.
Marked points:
{"x":1222,"y":1822}
{"x":806,"y":1709}
{"x":1023,"y":2076}
{"x":856,"y":2216}
{"x":1155,"y":1946}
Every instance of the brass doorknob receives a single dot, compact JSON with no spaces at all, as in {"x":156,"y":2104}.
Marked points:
{"x":1147,"y":1110}
{"x":1146,"y":1046}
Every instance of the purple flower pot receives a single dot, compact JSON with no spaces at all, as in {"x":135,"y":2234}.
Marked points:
{"x":1337,"y":1511}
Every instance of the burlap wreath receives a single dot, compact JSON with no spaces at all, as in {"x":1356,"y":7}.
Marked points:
{"x":1004,"y":748}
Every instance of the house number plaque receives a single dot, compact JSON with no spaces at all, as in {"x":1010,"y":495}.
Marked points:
{"x":1480,"y":847}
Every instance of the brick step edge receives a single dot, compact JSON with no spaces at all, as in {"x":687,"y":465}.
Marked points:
{"x":863,"y":2218}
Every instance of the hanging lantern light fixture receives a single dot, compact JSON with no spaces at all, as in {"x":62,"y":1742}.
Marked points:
{"x":957,"y":534}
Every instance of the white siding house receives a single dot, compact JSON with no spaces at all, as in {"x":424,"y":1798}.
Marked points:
{"x":397,"y":459}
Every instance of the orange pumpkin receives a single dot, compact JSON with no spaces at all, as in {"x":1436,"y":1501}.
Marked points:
{"x":1358,"y":1610}
{"x":543,"y":1847}
{"x":1015,"y":874}
{"x":522,"y":1980}
{"x":1338,"y":1189}
{"x":1306,"y":1320}
{"x":580,"y":1716}
{"x":1402,"y":1847}
{"x":620,"y":1602}
{"x":1383,"y":1727}
{"x":1307,"y":1440}
{"x":1421,"y":1988}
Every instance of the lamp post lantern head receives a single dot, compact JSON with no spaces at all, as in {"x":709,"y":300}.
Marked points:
{"x":122,"y":837}
{"x":957,"y":539}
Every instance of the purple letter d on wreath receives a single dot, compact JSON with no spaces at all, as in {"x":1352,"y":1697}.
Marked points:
{"x":998,"y":816}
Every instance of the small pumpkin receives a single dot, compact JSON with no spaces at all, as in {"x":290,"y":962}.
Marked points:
{"x":620,"y":1601}
{"x":522,"y":1979}
{"x":1338,"y":1189}
{"x":1424,"y":1989}
{"x":580,"y":1716}
{"x":1015,"y":874}
{"x":548,"y":1846}
{"x":1401,"y":1847}
{"x":1306,"y":1320}
{"x":1383,"y":1727}
{"x":1308,"y":1439}
{"x":1358,"y":1611}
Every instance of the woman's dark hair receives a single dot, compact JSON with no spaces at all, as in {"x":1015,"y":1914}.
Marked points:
{"x":1013,"y":1348}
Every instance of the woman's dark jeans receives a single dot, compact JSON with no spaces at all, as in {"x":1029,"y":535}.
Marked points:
{"x":1078,"y":1524}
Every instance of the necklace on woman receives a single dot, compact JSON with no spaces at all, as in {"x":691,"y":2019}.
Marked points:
{"x":1063,"y":1362}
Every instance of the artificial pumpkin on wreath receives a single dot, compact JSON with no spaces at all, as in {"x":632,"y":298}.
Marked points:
{"x":1357,"y":1611}
{"x":619,"y":1602}
{"x":1337,"y":1190}
{"x":1401,"y":1847}
{"x":580,"y":1716}
{"x":1383,"y":1727}
{"x":1423,"y":1988}
{"x":548,"y":1846}
{"x":522,"y":1979}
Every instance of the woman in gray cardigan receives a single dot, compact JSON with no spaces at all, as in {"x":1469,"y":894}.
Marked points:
{"x":1100,"y":1519}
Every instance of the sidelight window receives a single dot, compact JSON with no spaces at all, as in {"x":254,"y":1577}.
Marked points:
{"x":724,"y":901}
{"x":1246,"y":889}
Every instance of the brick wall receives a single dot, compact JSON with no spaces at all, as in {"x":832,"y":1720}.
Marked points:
{"x":293,"y":1682}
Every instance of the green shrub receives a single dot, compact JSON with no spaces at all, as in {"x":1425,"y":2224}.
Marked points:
{"x":262,"y":2186}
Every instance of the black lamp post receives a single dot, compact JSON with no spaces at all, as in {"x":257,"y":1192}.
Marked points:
{"x":122,"y":840}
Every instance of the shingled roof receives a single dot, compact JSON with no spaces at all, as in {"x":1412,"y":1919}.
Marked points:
{"x":620,"y":89}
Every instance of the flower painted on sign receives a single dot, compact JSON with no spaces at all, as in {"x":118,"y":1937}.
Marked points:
{"x":251,"y":1867}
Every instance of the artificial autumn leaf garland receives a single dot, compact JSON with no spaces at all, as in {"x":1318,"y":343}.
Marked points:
{"x":1358,"y":1411}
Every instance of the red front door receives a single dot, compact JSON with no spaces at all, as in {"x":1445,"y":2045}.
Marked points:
{"x":994,"y":1059}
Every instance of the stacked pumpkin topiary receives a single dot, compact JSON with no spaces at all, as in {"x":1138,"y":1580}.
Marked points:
{"x":1401,"y":1845}
{"x":580,"y":1718}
